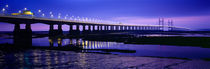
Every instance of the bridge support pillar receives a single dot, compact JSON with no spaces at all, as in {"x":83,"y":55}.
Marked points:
{"x":89,"y":28}
{"x":28,"y":27}
{"x":98,"y":28}
{"x":129,"y":28}
{"x":51,"y":29}
{"x":125,"y":28}
{"x":83,"y":28}
{"x":121,"y":28}
{"x":17,"y":28}
{"x":22,"y":37}
{"x":101,"y":28}
{"x":145,"y":27}
{"x":136,"y":28}
{"x":133,"y":28}
{"x":70,"y":29}
{"x":94,"y":28}
{"x":139,"y":27}
{"x":117,"y":28}
{"x":106,"y":28}
{"x":150,"y":28}
{"x":112,"y":28}
{"x":84,"y":31}
{"x":60,"y":31}
{"x":77,"y":29}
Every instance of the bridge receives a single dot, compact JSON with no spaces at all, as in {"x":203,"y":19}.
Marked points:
{"x":87,"y":27}
{"x":75,"y":24}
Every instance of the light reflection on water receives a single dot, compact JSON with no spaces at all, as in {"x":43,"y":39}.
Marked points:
{"x":141,"y":50}
{"x":47,"y":59}
{"x":84,"y":44}
{"x":42,"y":59}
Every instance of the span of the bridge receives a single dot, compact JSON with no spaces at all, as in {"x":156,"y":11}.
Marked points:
{"x":87,"y":27}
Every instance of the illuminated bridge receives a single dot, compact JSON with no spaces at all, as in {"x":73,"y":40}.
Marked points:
{"x":75,"y":26}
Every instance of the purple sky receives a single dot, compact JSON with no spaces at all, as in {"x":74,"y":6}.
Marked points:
{"x":194,"y":14}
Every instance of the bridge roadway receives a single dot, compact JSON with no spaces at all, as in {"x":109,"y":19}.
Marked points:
{"x":87,"y":27}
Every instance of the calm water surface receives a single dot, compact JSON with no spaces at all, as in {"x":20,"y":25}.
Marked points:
{"x":141,"y":50}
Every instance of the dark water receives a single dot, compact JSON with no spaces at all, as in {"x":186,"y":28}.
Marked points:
{"x":141,"y":50}
{"x":120,"y":48}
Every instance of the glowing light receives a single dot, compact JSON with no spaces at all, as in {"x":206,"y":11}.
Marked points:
{"x":89,"y":42}
{"x":16,"y":14}
{"x":86,"y":43}
{"x":70,"y":18}
{"x":71,"y":42}
{"x":59,"y":38}
{"x":83,"y":44}
{"x":50,"y":12}
{"x":3,"y":9}
{"x":86,"y":19}
{"x":50,"y":40}
{"x":43,"y":14}
{"x":59,"y":42}
{"x":67,"y":15}
{"x":27,"y":13}
{"x":19,"y":11}
{"x":59,"y":16}
{"x":51,"y":16}
{"x":39,"y":11}
{"x":25,"y":8}
{"x":7,"y":5}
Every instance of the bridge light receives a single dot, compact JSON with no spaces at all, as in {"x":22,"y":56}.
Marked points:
{"x":19,"y":11}
{"x":43,"y":14}
{"x":39,"y":11}
{"x":25,"y":9}
{"x":51,"y":16}
{"x":86,"y":19}
{"x":3,"y":9}
{"x":82,"y":18}
{"x":50,"y":12}
{"x":59,"y":17}
{"x":59,"y":14}
{"x":65,"y":17}
{"x":7,"y":6}
{"x":70,"y":18}
{"x":75,"y":19}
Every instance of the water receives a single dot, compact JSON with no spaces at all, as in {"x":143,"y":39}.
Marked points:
{"x":103,"y":51}
{"x":120,"y":48}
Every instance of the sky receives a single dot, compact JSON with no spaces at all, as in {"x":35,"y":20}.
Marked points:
{"x":193,"y":14}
